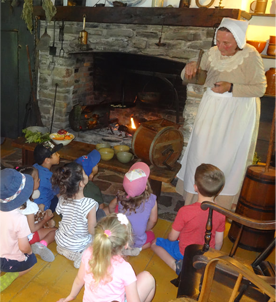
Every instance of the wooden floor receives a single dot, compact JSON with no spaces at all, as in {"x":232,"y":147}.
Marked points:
{"x":52,"y":281}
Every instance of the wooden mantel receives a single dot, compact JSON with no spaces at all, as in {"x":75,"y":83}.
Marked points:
{"x":198,"y":17}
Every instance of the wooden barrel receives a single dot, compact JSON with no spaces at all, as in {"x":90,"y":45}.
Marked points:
{"x":256,"y":201}
{"x":158,"y":142}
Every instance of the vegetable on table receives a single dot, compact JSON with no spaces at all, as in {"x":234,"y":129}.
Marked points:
{"x":35,"y":137}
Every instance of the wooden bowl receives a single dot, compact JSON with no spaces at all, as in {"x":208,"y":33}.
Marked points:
{"x":102,"y":145}
{"x":124,"y":157}
{"x":259,"y":45}
{"x":106,"y":153}
{"x":121,"y":148}
{"x":271,"y":50}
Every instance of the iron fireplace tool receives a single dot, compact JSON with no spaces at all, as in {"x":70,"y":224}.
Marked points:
{"x":54,"y":108}
{"x":61,"y":38}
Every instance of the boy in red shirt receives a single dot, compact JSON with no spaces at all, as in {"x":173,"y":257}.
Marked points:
{"x":190,"y":222}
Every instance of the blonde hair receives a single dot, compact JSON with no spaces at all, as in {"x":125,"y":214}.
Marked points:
{"x":111,"y":236}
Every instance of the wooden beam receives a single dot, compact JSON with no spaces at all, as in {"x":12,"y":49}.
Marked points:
{"x":198,"y":17}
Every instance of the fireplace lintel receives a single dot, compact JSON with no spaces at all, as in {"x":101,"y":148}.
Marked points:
{"x":200,"y":17}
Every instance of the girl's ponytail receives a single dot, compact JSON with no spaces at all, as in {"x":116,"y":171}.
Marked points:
{"x":111,"y":236}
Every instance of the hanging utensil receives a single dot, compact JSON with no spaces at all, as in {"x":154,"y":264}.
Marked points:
{"x":54,"y":108}
{"x":61,"y":38}
{"x":52,"y":64}
{"x":53,"y":49}
{"x":160,"y":39}
{"x":83,"y":34}
{"x":44,"y":41}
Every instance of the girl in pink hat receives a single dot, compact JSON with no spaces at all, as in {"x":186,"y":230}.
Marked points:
{"x":139,"y":205}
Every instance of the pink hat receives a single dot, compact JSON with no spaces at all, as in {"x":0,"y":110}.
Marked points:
{"x":136,"y":178}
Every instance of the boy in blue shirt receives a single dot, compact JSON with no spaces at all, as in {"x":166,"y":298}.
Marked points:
{"x":46,"y":156}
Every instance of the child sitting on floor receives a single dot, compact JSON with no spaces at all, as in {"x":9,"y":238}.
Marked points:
{"x":190,"y":222}
{"x":46,"y":156}
{"x":104,"y":272}
{"x":78,"y":212}
{"x":139,"y":205}
{"x":16,"y":257}
{"x":89,"y":164}
{"x":40,"y":236}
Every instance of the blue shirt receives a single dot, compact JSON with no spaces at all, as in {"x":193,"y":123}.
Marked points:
{"x":45,"y":187}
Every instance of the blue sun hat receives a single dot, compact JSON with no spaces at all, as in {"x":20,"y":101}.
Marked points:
{"x":15,"y":189}
{"x":88,"y":162}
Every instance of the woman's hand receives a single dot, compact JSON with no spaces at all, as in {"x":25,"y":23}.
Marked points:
{"x":221,"y":87}
{"x":190,"y":70}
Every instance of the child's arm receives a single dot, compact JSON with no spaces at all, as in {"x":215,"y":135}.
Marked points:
{"x":173,"y":235}
{"x":24,"y":245}
{"x":153,"y":217}
{"x":112,"y":205}
{"x":37,"y":226}
{"x":77,"y":285}
{"x":132,"y":293}
{"x":219,"y":240}
{"x":92,"y":220}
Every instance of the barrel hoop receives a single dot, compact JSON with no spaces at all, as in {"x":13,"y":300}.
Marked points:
{"x":271,"y":209}
{"x":134,"y":139}
{"x":268,"y":182}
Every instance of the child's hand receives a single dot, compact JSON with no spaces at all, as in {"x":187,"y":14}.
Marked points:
{"x":66,"y":299}
{"x":49,"y":215}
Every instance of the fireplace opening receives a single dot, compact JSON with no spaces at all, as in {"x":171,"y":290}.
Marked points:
{"x":147,"y":83}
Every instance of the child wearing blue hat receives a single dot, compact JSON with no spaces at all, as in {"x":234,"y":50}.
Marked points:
{"x":16,"y":256}
{"x":89,"y":164}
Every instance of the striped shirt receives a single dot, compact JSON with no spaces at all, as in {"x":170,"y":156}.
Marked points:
{"x":72,"y":233}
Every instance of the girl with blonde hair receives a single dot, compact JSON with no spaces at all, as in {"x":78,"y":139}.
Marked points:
{"x":104,"y":273}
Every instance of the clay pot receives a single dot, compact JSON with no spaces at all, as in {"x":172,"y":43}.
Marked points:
{"x":259,"y":45}
{"x":271,"y":81}
{"x":271,"y":50}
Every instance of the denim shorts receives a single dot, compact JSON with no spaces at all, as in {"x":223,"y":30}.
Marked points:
{"x":172,"y":247}
{"x":8,"y":265}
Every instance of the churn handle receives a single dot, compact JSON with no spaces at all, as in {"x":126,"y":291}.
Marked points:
{"x":271,"y":140}
{"x":168,"y":151}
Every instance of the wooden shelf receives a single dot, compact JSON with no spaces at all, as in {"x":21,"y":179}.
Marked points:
{"x":268,"y":57}
{"x":264,"y":15}
{"x":198,"y":17}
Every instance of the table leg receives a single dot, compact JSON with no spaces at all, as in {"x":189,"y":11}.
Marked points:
{"x":156,"y":187}
{"x":27,"y":157}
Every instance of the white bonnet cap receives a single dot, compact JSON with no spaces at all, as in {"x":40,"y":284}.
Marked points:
{"x":238,"y":29}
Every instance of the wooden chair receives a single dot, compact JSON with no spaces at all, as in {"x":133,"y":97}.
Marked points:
{"x":208,"y":291}
{"x":197,"y":256}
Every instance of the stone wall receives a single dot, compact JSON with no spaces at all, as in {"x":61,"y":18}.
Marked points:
{"x":73,"y":72}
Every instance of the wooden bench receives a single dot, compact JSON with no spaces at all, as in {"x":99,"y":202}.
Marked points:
{"x":76,"y":149}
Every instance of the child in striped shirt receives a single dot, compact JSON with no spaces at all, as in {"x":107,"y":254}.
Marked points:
{"x":78,"y":212}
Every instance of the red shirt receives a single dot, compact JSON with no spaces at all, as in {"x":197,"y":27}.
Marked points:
{"x":191,"y":222}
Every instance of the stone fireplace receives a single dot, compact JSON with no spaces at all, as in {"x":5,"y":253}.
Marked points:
{"x":75,"y":74}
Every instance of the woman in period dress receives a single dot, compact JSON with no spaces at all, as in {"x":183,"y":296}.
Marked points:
{"x":227,"y":122}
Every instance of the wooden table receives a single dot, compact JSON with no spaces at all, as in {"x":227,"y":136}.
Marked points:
{"x":76,"y":149}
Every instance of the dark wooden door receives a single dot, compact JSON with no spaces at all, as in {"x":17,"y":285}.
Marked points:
{"x":9,"y":84}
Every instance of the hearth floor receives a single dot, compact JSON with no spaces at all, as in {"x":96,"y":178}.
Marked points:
{"x":52,"y":281}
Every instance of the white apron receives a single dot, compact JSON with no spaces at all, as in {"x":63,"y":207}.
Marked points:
{"x":224,"y":135}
